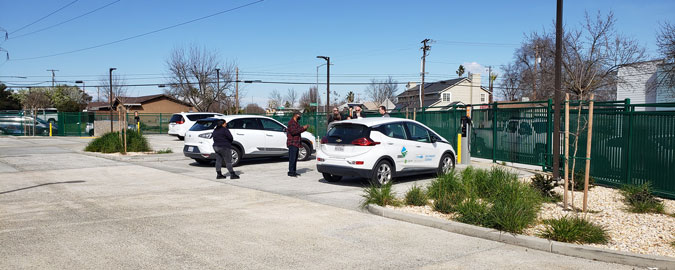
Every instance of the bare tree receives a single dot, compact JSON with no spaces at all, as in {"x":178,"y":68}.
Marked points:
{"x":510,"y":84}
{"x":253,"y":108}
{"x":118,"y":88}
{"x":665,"y":40}
{"x":35,"y":99}
{"x":275,"y":99}
{"x":291,"y":96}
{"x":194,"y":79}
{"x":311,"y":96}
{"x":379,"y":91}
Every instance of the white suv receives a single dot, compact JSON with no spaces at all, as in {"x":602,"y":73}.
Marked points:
{"x":254,"y":136}
{"x":382,"y":148}
{"x":180,"y":123}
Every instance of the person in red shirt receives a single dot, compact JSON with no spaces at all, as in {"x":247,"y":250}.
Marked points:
{"x":293,"y":132}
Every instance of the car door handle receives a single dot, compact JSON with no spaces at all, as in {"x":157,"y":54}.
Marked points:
{"x":390,"y":143}
{"x":418,"y":146}
{"x":269,"y":135}
{"x":239,"y":133}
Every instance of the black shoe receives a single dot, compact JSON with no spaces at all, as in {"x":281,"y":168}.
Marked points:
{"x":293,"y":174}
{"x":234,"y":176}
{"x":220,"y":176}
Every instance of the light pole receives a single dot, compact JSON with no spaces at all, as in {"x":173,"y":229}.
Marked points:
{"x":110,"y":99}
{"x":327,"y":81}
{"x":82,"y":82}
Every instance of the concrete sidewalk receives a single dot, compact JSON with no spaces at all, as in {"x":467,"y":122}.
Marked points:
{"x":114,"y":214}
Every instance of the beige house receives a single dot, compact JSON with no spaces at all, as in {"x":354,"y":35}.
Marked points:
{"x":442,"y":95}
{"x":145,"y":104}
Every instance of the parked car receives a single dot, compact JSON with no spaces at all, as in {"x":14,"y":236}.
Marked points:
{"x":519,"y":135}
{"x":50,"y":115}
{"x":180,"y":123}
{"x":16,"y":125}
{"x":381,"y":149}
{"x":254,"y":136}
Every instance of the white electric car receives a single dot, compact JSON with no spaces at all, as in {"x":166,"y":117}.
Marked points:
{"x":254,"y":136}
{"x":180,"y":123}
{"x":382,"y":148}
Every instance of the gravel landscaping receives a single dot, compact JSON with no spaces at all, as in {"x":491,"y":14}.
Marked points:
{"x":651,"y":234}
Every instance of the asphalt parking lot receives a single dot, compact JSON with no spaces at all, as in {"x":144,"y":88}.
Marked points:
{"x":62,"y":208}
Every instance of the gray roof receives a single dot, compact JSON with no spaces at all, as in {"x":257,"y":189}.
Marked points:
{"x":432,"y":88}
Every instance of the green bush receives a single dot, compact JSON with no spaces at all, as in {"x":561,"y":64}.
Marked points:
{"x":474,"y":211}
{"x":579,"y":177}
{"x":544,"y":184}
{"x":444,"y":205}
{"x":165,"y":151}
{"x":381,"y":196}
{"x":445,"y":184}
{"x":574,"y":230}
{"x":415,"y":196}
{"x":515,"y":208}
{"x":640,"y":199}
{"x":110,"y":143}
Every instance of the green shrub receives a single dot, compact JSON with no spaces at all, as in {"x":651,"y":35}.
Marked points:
{"x":444,"y":205}
{"x":474,"y":211}
{"x":574,"y":230}
{"x":165,"y":151}
{"x":110,"y":143}
{"x":640,"y":199}
{"x":579,"y":177}
{"x":544,"y":184}
{"x":515,"y":208}
{"x":445,"y":184}
{"x":381,"y":196}
{"x":415,"y":196}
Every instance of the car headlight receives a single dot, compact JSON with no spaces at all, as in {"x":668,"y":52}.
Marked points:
{"x":206,"y":135}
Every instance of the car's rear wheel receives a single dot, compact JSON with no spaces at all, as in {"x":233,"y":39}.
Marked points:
{"x":203,"y":161}
{"x":305,"y":152}
{"x":236,"y":156}
{"x":331,"y":177}
{"x":382,"y":173}
{"x":446,"y":164}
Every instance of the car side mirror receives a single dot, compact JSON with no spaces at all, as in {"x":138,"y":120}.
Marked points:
{"x":434,"y":139}
{"x":284,"y":129}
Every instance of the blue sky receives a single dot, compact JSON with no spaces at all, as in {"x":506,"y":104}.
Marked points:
{"x":365,"y":39}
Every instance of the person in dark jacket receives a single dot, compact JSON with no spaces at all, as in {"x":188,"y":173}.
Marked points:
{"x":355,"y":112}
{"x":222,"y":146}
{"x":335,"y":116}
{"x":293,"y":142}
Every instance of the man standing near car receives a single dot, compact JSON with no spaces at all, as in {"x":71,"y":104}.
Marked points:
{"x":293,"y":142}
{"x":335,"y":116}
{"x":383,"y":111}
{"x":222,"y":146}
{"x":356,"y":113}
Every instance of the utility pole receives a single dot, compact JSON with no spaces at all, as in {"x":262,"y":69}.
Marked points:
{"x":490,"y":82}
{"x":534,"y":75}
{"x":53,"y":76}
{"x":110,"y":99}
{"x":558,"y":86}
{"x":236,"y":92}
{"x":217,"y":80}
{"x":327,"y":81}
{"x":424,"y":48}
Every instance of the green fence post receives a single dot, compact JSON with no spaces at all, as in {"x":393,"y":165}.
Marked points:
{"x":549,"y":136}
{"x":629,"y":151}
{"x":494,"y":132}
{"x":79,"y":120}
{"x":160,"y":123}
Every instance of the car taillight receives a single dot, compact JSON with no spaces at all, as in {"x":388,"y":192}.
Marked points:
{"x":324,"y":140}
{"x":180,"y":122}
{"x":364,"y":142}
{"x":320,"y":159}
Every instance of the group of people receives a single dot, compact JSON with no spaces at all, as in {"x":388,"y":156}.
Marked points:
{"x":222,"y":139}
{"x":222,"y":146}
{"x":352,"y":113}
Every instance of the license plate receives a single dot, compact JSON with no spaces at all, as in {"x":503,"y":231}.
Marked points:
{"x":339,"y":148}
{"x":190,"y":149}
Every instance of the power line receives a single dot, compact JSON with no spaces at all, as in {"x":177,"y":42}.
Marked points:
{"x":40,"y":19}
{"x":141,"y":35}
{"x":69,"y":20}
{"x":448,"y":42}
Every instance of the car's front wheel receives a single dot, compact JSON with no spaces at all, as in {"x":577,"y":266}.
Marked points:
{"x":446,"y":164}
{"x":331,"y":177}
{"x":382,"y":173}
{"x":305,"y":152}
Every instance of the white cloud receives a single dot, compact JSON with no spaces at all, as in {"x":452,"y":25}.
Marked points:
{"x":474,"y":67}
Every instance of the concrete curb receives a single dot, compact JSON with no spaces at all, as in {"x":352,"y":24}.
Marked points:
{"x":586,"y":252}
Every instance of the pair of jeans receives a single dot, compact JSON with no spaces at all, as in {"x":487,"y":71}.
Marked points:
{"x":292,"y":159}
{"x":223,"y":153}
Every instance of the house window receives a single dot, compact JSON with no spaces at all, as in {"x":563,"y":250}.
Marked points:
{"x":447,"y":96}
{"x":482,"y":97}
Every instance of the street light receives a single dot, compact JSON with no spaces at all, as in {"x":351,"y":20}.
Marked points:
{"x":82,"y":82}
{"x":110,"y":99}
{"x":327,"y":81}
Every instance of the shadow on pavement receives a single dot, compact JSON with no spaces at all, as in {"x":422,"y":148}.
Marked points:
{"x":363,"y":182}
{"x":45,"y":184}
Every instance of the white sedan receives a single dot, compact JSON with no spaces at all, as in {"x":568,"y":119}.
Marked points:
{"x":382,"y":148}
{"x":254,"y":136}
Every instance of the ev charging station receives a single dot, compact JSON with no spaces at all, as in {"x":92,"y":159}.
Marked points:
{"x":464,"y":139}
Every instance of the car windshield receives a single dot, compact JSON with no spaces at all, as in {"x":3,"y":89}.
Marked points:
{"x":346,"y":133}
{"x":203,"y":125}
